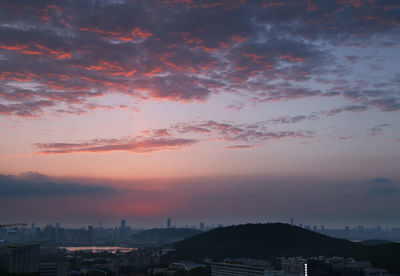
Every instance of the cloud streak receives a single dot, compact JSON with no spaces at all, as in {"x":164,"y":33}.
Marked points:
{"x":136,"y":145}
{"x":238,"y":136}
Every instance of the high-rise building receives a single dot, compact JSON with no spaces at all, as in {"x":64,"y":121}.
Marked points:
{"x":23,"y":258}
{"x":57,"y":231}
{"x":168,"y":223}
{"x":90,"y":233}
{"x":292,"y":221}
{"x":201,"y":226}
{"x":236,"y":269}
{"x":123,"y":224}
{"x":49,"y":233}
{"x":33,"y":231}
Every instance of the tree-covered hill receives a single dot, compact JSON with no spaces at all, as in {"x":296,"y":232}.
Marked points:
{"x":163,"y":235}
{"x":278,"y":239}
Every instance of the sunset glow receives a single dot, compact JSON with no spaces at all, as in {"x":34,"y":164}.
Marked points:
{"x":230,"y":110}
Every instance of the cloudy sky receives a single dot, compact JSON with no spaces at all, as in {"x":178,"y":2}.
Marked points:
{"x":222,"y":111}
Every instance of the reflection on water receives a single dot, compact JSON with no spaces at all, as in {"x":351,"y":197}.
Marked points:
{"x":98,"y":249}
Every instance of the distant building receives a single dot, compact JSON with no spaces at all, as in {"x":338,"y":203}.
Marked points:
{"x":177,"y":266}
{"x":233,"y":269}
{"x":54,"y":269}
{"x":57,"y":233}
{"x":168,"y":223}
{"x":376,"y":272}
{"x":201,"y":226}
{"x":295,"y":266}
{"x":33,"y":231}
{"x":90,"y":233}
{"x":123,"y":224}
{"x":343,"y":266}
{"x":49,"y":233}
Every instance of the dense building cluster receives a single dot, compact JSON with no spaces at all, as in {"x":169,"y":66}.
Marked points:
{"x":54,"y":250}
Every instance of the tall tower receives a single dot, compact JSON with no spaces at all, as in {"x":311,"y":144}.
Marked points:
{"x":202,"y":226}
{"x":168,"y":223}
{"x":123,"y":224}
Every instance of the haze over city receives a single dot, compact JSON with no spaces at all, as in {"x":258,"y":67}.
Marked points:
{"x":228,"y":111}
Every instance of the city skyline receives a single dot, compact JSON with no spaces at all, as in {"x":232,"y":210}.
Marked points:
{"x":128,"y":234}
{"x":193,"y":224}
{"x":227,"y":111}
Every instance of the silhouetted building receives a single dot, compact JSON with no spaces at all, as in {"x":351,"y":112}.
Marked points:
{"x":123,"y":224}
{"x":201,"y":226}
{"x":234,"y":269}
{"x":54,"y":269}
{"x":57,"y":233}
{"x":317,"y":268}
{"x":296,"y":266}
{"x":22,"y":258}
{"x":49,"y":233}
{"x":169,"y":223}
{"x":90,"y":233}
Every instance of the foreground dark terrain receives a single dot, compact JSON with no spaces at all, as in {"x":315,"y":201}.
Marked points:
{"x":278,"y":239}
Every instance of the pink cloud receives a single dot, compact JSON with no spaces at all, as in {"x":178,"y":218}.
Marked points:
{"x":136,"y":145}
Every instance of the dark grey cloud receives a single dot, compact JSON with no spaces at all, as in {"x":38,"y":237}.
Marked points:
{"x":38,"y":197}
{"x":382,"y":181}
{"x":350,"y":108}
{"x":378,"y":129}
{"x":236,"y":106}
{"x":385,"y":100}
{"x":293,"y":119}
{"x":240,"y":135}
{"x":31,"y":184}
{"x":383,"y":186}
{"x":384,"y":191}
{"x":25,"y":109}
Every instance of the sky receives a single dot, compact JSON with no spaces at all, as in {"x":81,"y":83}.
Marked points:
{"x":224,"y":111}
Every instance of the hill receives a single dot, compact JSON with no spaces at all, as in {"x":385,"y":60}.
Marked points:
{"x":374,"y":242}
{"x":278,"y":239}
{"x":263,"y":240}
{"x":163,"y":235}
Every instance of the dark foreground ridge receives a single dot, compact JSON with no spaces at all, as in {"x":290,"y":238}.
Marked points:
{"x":374,"y":242}
{"x":282,"y":240}
{"x":162,"y":235}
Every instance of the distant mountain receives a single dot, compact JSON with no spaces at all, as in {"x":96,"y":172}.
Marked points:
{"x":278,"y":239}
{"x":163,"y":235}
